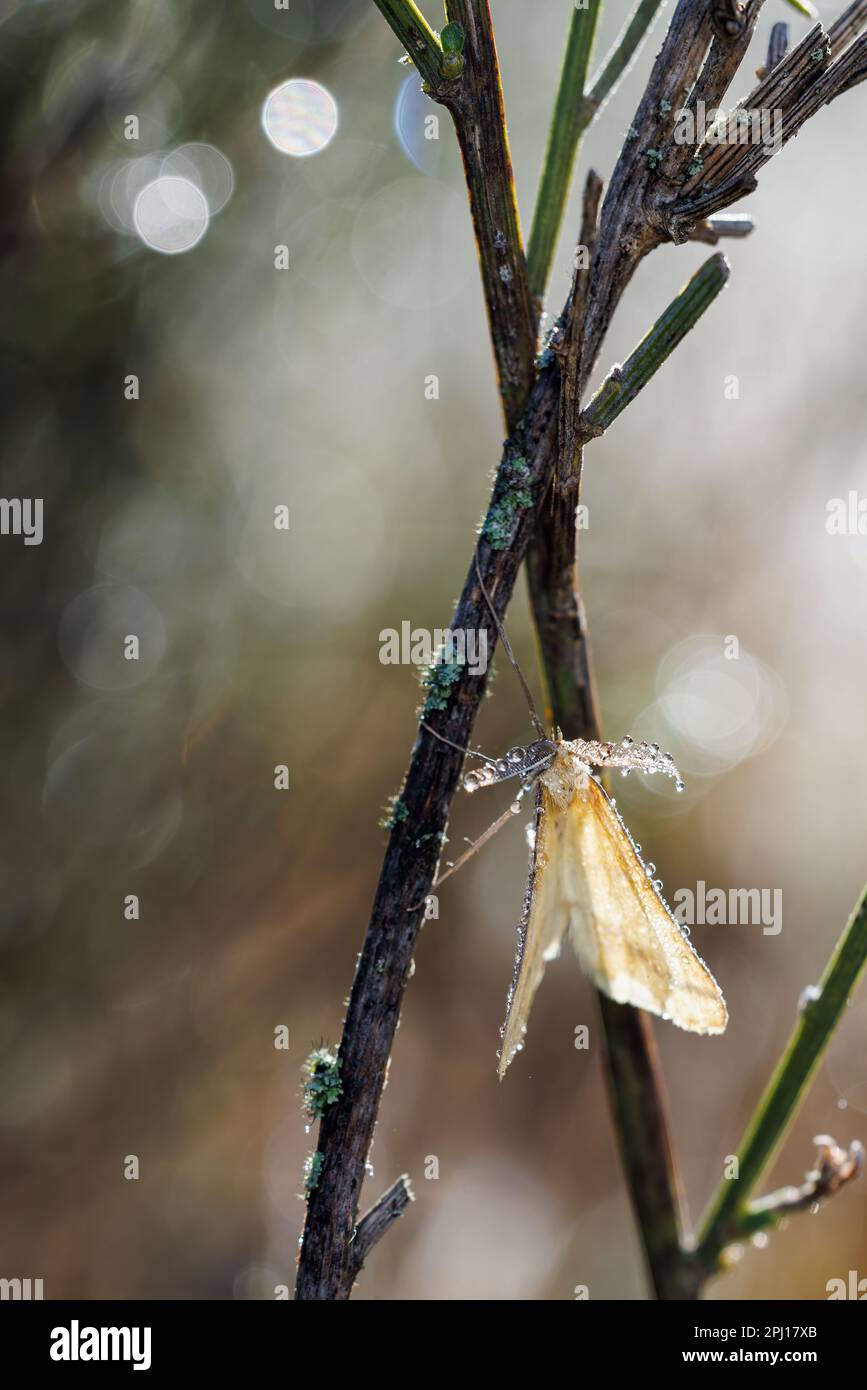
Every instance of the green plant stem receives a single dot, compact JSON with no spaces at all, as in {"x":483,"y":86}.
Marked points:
{"x":729,"y":1217}
{"x":416,"y":35}
{"x":805,"y":8}
{"x":623,"y":384}
{"x":567,"y":125}
{"x":624,"y":49}
{"x":575,"y":110}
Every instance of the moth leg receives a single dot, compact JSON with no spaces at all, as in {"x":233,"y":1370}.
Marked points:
{"x":488,"y":834}
{"x":467,"y":752}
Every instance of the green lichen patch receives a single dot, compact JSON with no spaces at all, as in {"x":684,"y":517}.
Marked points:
{"x":395,"y":812}
{"x":312,"y":1172}
{"x":654,"y":158}
{"x":322,"y":1084}
{"x":439,"y":681}
{"x":513,"y":496}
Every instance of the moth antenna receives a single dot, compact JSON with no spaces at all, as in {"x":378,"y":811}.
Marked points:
{"x":507,"y":647}
{"x":476,"y":845}
{"x":468,"y":752}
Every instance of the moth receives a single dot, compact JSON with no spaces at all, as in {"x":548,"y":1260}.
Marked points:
{"x":587,"y":881}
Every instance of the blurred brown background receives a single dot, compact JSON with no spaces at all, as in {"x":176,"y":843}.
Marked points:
{"x":305,"y":387}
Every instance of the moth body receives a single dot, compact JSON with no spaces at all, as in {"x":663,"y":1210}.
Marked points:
{"x":587,"y":881}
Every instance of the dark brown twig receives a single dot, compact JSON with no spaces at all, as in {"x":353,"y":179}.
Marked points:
{"x":713,"y":229}
{"x":326,"y":1266}
{"x":816,"y":72}
{"x":377,"y":1219}
{"x":778,"y":47}
{"x":847,"y":27}
{"x":569,"y":343}
{"x":475,"y":103}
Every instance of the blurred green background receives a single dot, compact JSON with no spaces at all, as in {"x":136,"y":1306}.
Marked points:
{"x":306,"y":387}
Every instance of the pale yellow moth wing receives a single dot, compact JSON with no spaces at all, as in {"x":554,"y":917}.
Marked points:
{"x":624,"y":934}
{"x":544,"y":924}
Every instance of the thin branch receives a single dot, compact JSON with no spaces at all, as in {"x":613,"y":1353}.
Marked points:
{"x":627,"y":234}
{"x":847,"y":27}
{"x":816,"y":72}
{"x":820,"y":1013}
{"x":378,"y":1218}
{"x":778,"y":47}
{"x":475,"y":102}
{"x":416,"y":35}
{"x":568,"y":121}
{"x":635,"y":1082}
{"x":723,"y":150}
{"x":733,"y":26}
{"x":326,"y":1268}
{"x":622,"y":54}
{"x":577,"y":108}
{"x":570,"y":349}
{"x":624,"y":238}
{"x":805,"y":8}
{"x":713,"y":229}
{"x":640,"y":1107}
{"x":623,"y":384}
{"x":834,"y":1168}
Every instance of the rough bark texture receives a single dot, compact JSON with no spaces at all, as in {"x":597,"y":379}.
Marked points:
{"x":476,"y":106}
{"x":326,"y":1267}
